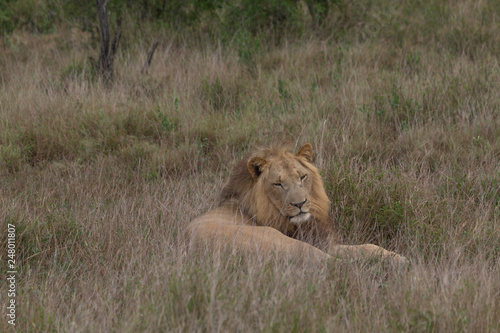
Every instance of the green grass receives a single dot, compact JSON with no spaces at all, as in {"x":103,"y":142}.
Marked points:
{"x":399,"y":101}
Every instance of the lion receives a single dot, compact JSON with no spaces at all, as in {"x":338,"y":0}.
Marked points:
{"x":275,"y":202}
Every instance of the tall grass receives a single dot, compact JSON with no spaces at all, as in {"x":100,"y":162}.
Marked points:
{"x":401,"y":105}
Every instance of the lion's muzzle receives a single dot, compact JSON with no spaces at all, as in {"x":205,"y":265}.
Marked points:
{"x":301,"y":217}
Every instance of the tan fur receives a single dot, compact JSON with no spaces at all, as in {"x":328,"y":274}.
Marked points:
{"x":275,"y":202}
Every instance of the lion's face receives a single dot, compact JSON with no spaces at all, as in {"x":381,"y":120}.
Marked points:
{"x":287,"y":183}
{"x":288,"y":186}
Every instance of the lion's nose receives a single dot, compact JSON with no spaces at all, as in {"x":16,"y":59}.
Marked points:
{"x":299,"y":204}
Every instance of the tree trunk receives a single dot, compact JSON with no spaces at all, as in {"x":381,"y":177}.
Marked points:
{"x":107,"y":52}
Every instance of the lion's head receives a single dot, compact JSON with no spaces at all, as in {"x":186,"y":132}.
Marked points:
{"x":278,"y":188}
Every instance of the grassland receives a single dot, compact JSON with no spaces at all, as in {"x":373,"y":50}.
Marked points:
{"x":402,"y":108}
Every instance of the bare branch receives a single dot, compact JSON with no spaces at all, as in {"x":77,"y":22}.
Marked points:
{"x":118,"y":34}
{"x":149,"y":57}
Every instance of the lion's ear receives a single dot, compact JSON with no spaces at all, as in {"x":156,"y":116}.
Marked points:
{"x":255,"y":166}
{"x":306,"y":151}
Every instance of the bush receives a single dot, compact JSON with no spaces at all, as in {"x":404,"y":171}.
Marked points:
{"x":31,"y":15}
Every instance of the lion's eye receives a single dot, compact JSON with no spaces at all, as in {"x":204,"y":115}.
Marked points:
{"x":302,"y":178}
{"x":278,"y":185}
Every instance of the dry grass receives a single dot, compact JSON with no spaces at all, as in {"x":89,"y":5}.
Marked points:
{"x":100,"y":184}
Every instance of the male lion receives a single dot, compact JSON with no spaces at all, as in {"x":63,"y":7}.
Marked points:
{"x":275,"y":202}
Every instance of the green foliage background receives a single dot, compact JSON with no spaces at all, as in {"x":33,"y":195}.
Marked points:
{"x":243,"y":21}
